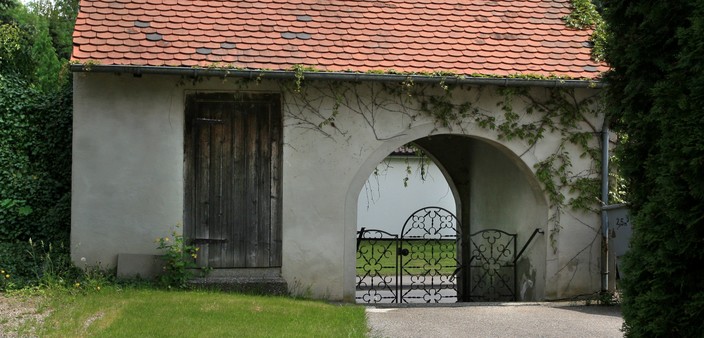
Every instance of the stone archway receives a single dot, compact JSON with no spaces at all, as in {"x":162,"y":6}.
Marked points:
{"x":494,"y":189}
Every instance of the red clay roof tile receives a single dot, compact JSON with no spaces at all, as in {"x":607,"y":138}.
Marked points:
{"x":495,"y":38}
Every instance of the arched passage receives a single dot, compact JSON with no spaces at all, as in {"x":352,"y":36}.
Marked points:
{"x":494,"y":189}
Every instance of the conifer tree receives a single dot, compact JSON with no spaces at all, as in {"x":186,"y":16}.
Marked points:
{"x":656,"y":90}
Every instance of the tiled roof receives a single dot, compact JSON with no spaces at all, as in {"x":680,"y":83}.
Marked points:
{"x":478,"y":37}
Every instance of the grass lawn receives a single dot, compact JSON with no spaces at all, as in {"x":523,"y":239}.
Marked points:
{"x":379,"y":256}
{"x":155,"y":313}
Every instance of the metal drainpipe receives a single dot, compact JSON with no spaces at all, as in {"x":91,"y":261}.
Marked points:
{"x":605,"y":202}
{"x":335,"y":76}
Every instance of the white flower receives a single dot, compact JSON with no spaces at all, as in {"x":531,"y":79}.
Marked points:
{"x":83,"y":259}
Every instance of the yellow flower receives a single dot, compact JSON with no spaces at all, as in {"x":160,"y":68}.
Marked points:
{"x":77,"y":284}
{"x":2,"y":271}
{"x":166,"y":239}
{"x":194,"y":256}
{"x":7,"y":276}
{"x":97,"y":288}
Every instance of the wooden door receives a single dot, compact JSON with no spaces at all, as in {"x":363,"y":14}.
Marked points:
{"x":233,"y":179}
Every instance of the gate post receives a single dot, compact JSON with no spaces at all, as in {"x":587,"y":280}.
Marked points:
{"x":465,"y":254}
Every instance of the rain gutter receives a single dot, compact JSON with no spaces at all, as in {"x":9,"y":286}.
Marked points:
{"x":336,"y":76}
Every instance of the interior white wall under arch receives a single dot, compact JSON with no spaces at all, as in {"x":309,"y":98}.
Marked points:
{"x":506,"y":195}
{"x":396,"y":189}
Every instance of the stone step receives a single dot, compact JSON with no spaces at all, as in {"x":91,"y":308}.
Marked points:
{"x":260,"y":285}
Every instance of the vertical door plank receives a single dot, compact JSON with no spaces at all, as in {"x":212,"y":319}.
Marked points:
{"x":189,"y":168}
{"x":239,"y":224}
{"x":202,"y":184}
{"x":252,"y":188}
{"x":215,"y":182}
{"x":275,"y":192}
{"x":261,"y":109}
{"x":227,"y":254}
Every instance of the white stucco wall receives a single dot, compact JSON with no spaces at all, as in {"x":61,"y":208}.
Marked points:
{"x":128,"y":178}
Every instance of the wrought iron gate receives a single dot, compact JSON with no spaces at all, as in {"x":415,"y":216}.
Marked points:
{"x":419,"y":265}
{"x":428,"y":260}
{"x":377,"y":267}
{"x":492,"y":267}
{"x":424,"y":264}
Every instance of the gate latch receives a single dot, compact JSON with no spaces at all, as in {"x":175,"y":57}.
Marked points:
{"x":402,"y":251}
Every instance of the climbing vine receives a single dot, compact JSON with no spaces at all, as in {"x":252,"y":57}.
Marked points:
{"x":560,"y":112}
{"x":528,"y":114}
{"x":585,"y":14}
{"x":521,"y":113}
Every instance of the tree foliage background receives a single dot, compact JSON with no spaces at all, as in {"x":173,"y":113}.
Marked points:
{"x":35,"y":128}
{"x":656,"y":49}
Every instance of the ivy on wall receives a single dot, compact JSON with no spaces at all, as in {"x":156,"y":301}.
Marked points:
{"x":35,"y":149}
{"x":555,"y":111}
{"x":586,"y":15}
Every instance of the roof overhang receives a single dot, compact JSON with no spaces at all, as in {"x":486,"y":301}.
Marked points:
{"x":519,"y":81}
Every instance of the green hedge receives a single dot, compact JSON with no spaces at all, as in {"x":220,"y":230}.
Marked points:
{"x":35,"y":136}
{"x":35,"y":150}
{"x":656,"y":49}
{"x":35,"y":180}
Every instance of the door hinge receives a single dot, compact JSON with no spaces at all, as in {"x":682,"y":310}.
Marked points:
{"x":209,"y":121}
{"x":208,"y":241}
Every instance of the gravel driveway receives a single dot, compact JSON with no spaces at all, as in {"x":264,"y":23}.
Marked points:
{"x":496,"y":320}
{"x":19,"y":313}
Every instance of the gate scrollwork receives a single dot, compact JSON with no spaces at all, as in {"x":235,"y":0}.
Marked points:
{"x":423,"y":264}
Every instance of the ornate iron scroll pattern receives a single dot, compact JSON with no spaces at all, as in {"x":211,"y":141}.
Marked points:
{"x":492,"y":268}
{"x":377,"y":267}
{"x":429,"y":257}
{"x":423,"y":264}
